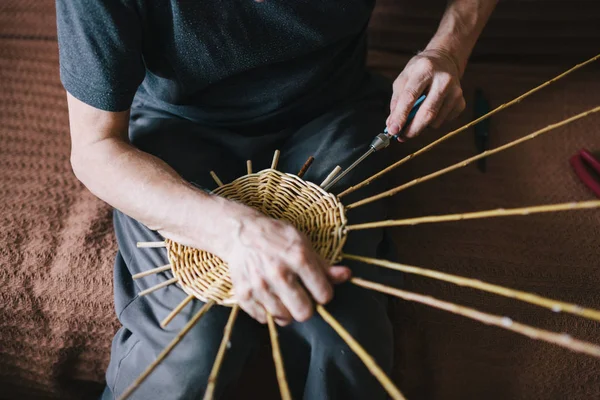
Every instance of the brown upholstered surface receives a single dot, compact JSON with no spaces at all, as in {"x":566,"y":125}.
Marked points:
{"x":56,"y":312}
{"x":56,"y":244}
{"x":523,"y":30}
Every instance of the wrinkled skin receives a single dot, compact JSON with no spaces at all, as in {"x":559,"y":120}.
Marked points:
{"x":275,"y":269}
{"x":435,"y":73}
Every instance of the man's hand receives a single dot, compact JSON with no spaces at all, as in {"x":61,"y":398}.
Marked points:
{"x":434,"y":72}
{"x":274,"y":269}
{"x":437,"y":70}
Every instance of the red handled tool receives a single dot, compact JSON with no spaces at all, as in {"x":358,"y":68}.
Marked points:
{"x":587,"y":168}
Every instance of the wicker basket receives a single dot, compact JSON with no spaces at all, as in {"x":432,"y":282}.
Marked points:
{"x":287,"y":197}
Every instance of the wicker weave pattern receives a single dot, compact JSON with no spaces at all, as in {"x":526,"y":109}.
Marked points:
{"x":287,"y":197}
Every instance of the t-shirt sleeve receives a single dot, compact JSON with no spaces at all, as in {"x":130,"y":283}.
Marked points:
{"x":100,"y":51}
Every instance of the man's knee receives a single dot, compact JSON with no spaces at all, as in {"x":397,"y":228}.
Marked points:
{"x":197,"y":352}
{"x":184,"y":372}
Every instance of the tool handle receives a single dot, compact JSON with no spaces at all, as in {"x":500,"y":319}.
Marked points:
{"x":411,"y":115}
{"x":580,"y":163}
{"x":590,"y":160}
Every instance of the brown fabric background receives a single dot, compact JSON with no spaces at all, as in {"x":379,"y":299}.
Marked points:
{"x":56,"y":241}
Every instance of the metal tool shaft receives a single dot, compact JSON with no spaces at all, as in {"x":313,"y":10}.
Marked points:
{"x":380,"y":142}
{"x":350,"y":168}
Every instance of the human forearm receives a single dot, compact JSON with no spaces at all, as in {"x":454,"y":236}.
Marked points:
{"x":147,"y":189}
{"x":460,"y":28}
{"x":142,"y":186}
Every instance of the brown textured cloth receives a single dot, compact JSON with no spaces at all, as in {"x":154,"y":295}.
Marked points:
{"x":56,"y":241}
{"x":519,"y":30}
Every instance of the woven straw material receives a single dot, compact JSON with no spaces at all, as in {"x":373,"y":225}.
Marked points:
{"x":287,"y":197}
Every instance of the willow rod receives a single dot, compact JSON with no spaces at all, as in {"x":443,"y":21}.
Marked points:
{"x":369,"y":362}
{"x":465,"y":127}
{"x":176,"y":311}
{"x":216,"y":178}
{"x":331,"y":176}
{"x":141,"y":245}
{"x":500,"y":212}
{"x":275,"y":159}
{"x":151,"y":271}
{"x":468,"y":161}
{"x":163,"y":354}
{"x":279,"y":370}
{"x":159,"y":286}
{"x":249,"y":166}
{"x":306,"y":166}
{"x":558,"y":339}
{"x":531,"y":298}
{"x":214,"y":373}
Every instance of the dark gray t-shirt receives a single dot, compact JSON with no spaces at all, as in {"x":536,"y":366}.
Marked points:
{"x":219,"y":62}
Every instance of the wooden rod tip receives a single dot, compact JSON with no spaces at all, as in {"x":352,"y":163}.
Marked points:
{"x":306,"y":166}
{"x":275,"y":159}
{"x":159,"y":286}
{"x":216,"y":178}
{"x":151,"y":271}
{"x":331,"y":176}
{"x":150,"y":244}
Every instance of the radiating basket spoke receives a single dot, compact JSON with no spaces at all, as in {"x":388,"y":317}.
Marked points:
{"x":464,"y":128}
{"x":167,"y":350}
{"x":214,"y":373}
{"x":306,"y":166}
{"x":176,"y":311}
{"x":468,"y":161}
{"x":279,"y":369}
{"x":217,"y":180}
{"x":331,"y":175}
{"x":159,"y":286}
{"x":554,"y":305}
{"x":152,"y":271}
{"x":249,"y":166}
{"x":150,"y":244}
{"x":558,"y":339}
{"x":275,"y":159}
{"x":500,"y":212}
{"x":369,"y":362}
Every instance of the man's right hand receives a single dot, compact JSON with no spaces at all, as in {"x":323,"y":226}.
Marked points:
{"x":274,"y":269}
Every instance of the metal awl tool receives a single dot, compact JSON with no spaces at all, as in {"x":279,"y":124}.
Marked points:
{"x":380,"y":142}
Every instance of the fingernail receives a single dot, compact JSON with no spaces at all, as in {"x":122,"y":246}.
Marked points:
{"x":282,"y":322}
{"x":324,"y":298}
{"x":394,"y":129}
{"x":305,"y":316}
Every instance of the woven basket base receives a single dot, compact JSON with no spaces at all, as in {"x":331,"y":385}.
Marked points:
{"x":309,"y":208}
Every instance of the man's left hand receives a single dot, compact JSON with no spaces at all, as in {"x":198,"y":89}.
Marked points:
{"x":431,"y":72}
